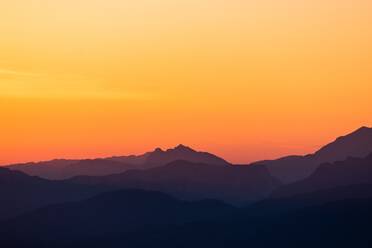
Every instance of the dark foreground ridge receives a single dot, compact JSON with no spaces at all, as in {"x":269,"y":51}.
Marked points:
{"x":152,"y":219}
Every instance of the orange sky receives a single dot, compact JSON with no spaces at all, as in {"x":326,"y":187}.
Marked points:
{"x":246,"y":80}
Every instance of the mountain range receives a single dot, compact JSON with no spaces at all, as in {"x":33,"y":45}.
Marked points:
{"x":352,"y":171}
{"x":194,"y":181}
{"x":181,"y":198}
{"x":294,"y":168}
{"x":287,"y":169}
{"x":20,"y":192}
{"x":135,"y":218}
{"x":63,"y":169}
{"x":124,"y":211}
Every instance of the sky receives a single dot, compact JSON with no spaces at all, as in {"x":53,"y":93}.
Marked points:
{"x":246,"y":80}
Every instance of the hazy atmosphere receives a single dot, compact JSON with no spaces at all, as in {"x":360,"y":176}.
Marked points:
{"x":246,"y":80}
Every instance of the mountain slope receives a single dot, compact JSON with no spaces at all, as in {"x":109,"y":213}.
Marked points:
{"x":112,"y":212}
{"x":352,"y":171}
{"x":63,"y":169}
{"x":294,"y":168}
{"x":20,"y":193}
{"x":193,"y":181}
{"x":337,"y":224}
{"x":280,"y":204}
{"x":181,"y":152}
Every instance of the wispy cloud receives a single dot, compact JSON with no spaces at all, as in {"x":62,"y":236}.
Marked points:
{"x":79,"y":95}
{"x":11,"y":72}
{"x":22,"y":84}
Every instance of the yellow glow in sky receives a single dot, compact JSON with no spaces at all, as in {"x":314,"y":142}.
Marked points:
{"x":245,"y":79}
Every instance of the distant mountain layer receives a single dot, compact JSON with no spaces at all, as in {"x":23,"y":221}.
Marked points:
{"x":280,"y":204}
{"x":352,"y":171}
{"x":118,"y":211}
{"x":20,"y":193}
{"x":139,"y":219}
{"x":287,"y":170}
{"x":193,"y":181}
{"x":294,"y":168}
{"x":63,"y":169}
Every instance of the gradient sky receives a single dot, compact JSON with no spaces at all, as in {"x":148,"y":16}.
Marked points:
{"x":244,"y":79}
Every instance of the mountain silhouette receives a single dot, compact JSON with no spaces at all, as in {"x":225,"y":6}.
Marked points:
{"x":299,"y":200}
{"x":181,"y":152}
{"x":158,"y":199}
{"x":338,"y":224}
{"x":352,"y":171}
{"x":112,"y":212}
{"x":63,"y":169}
{"x":294,"y":168}
{"x":139,"y":219}
{"x":194,"y":181}
{"x":20,"y":193}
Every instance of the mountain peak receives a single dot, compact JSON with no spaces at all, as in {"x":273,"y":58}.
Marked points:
{"x":360,"y":133}
{"x":363,"y":129}
{"x":182,"y":152}
{"x":182,"y":147}
{"x":357,"y":144}
{"x":178,"y":148}
{"x":158,"y":150}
